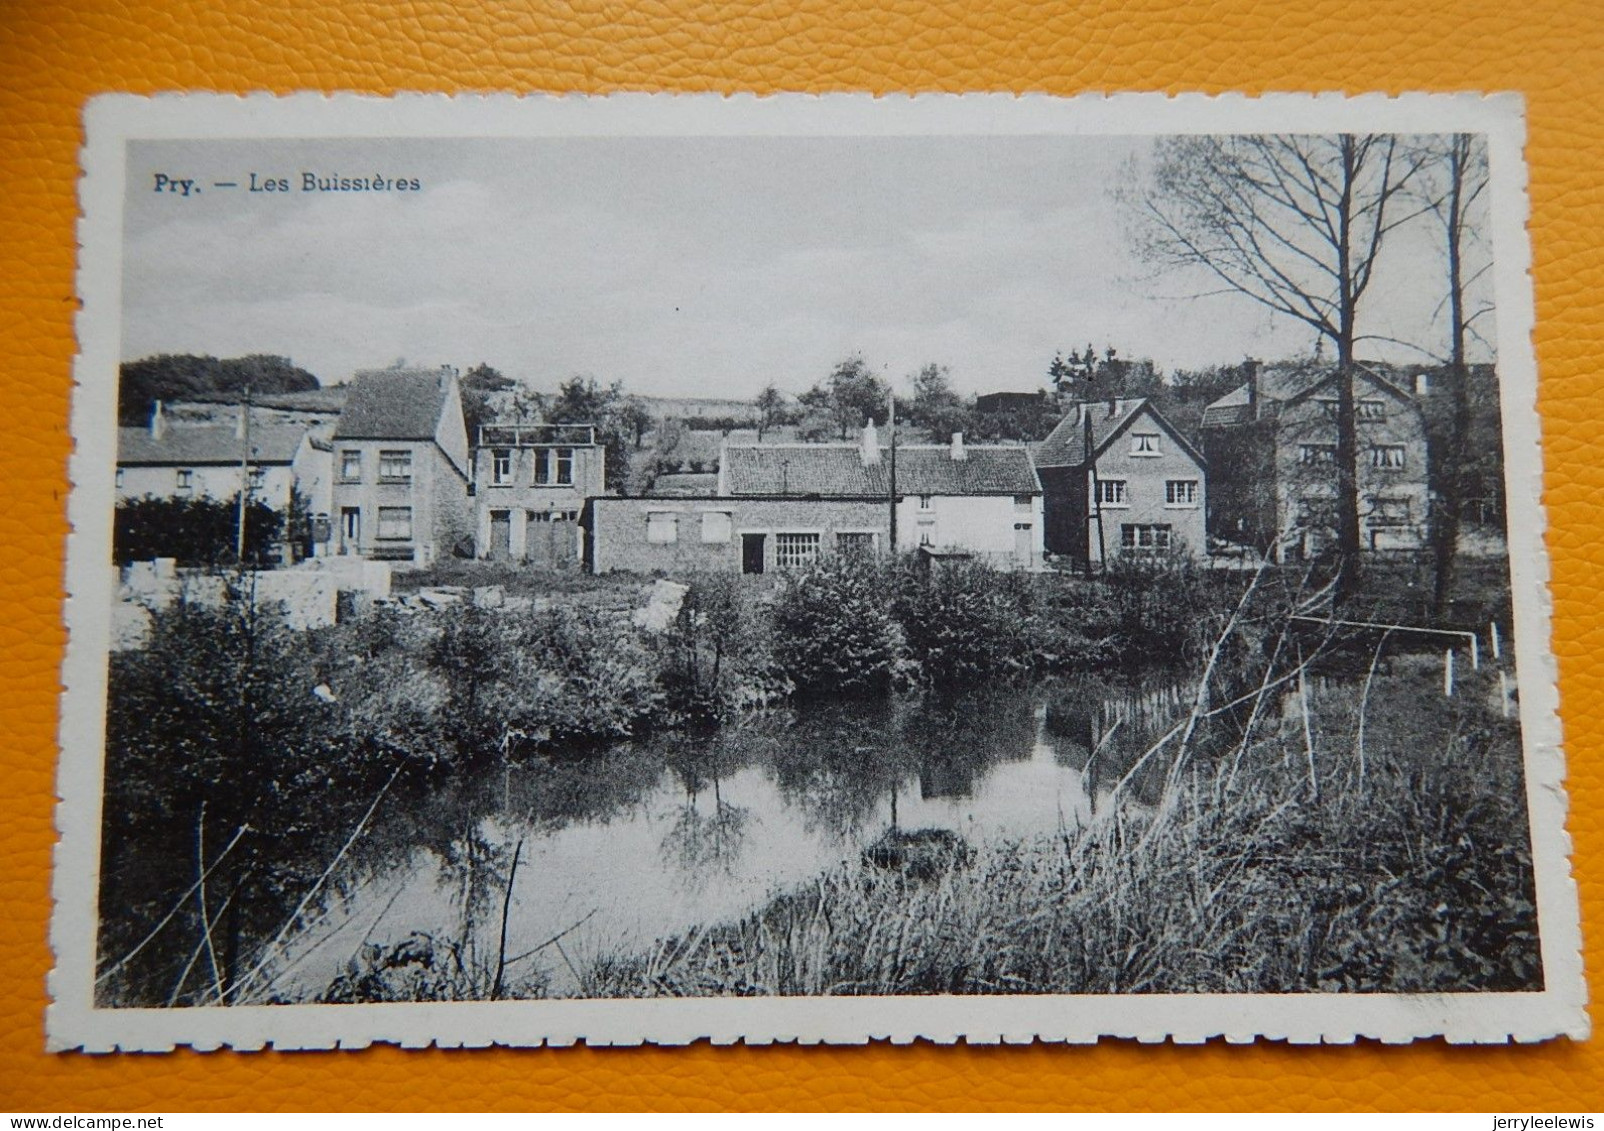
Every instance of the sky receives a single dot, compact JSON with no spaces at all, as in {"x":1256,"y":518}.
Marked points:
{"x":689,"y":266}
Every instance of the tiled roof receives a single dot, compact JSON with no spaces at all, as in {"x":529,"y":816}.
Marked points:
{"x":1282,"y":383}
{"x":393,"y":404}
{"x":838,"y":471}
{"x":183,"y":444}
{"x":1065,"y":445}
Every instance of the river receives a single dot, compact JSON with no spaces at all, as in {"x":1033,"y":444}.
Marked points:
{"x":652,"y":838}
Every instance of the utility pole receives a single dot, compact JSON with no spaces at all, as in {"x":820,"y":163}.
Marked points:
{"x":1096,"y":487}
{"x":244,"y":476}
{"x":891,"y":488}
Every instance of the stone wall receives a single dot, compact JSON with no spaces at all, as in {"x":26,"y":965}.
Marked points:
{"x":622,"y":530}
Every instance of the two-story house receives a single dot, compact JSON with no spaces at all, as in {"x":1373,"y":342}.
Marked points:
{"x":401,"y":467}
{"x":531,"y":482}
{"x":216,"y":458}
{"x":1121,"y":481}
{"x":1273,"y":441}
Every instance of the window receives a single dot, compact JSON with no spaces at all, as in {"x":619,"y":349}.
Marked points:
{"x":1144,"y":444}
{"x":1144,"y":536}
{"x":662,"y":528}
{"x":1111,"y":493}
{"x":351,"y":467}
{"x":793,"y":550}
{"x":1388,"y":457}
{"x":395,"y":466}
{"x":501,"y":468}
{"x":926,"y":503}
{"x":554,"y":467}
{"x":1317,"y":454}
{"x":927,"y":536}
{"x":1023,"y":504}
{"x":1389,"y":512}
{"x":716,"y":526}
{"x":119,"y":478}
{"x":855,"y":542}
{"x":186,"y":479}
{"x":258,"y":477}
{"x":1180,"y":492}
{"x":395,"y":523}
{"x":1369,"y":409}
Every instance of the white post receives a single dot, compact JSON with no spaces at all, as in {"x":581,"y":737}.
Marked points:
{"x":1475,"y":653}
{"x":1503,"y":692}
{"x":1448,"y":672}
{"x":1498,"y":652}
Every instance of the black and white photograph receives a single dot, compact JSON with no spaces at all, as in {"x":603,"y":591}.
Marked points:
{"x":642,"y":570}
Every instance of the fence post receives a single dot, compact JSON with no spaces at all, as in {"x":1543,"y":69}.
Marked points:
{"x":1503,"y":692}
{"x":1475,"y":653}
{"x":1448,"y":672}
{"x":1498,"y":652}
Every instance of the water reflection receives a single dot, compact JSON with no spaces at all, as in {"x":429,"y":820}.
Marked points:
{"x":655,"y":837}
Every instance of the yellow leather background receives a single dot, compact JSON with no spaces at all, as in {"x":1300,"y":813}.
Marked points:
{"x":54,"y":56}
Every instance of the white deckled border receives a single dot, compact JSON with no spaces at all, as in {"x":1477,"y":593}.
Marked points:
{"x":73,"y":1022}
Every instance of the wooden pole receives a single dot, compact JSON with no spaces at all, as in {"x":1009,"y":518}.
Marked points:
{"x":244,"y":476}
{"x":1475,"y":653}
{"x":1492,"y":631}
{"x":1448,"y":672}
{"x":891,"y":489}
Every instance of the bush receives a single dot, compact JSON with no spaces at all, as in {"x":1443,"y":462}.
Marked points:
{"x":832,"y":627}
{"x":198,"y":532}
{"x":965,"y":624}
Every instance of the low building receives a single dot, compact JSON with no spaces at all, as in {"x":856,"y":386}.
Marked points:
{"x":1273,"y":441}
{"x":401,"y":467}
{"x":214,"y":459}
{"x":1120,"y":481}
{"x":530,"y":486}
{"x":750,"y":534}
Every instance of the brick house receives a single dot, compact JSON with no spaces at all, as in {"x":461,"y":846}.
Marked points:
{"x":209,"y":460}
{"x":1120,"y":480}
{"x":1273,"y":440}
{"x":530,"y":486}
{"x":401,"y":467}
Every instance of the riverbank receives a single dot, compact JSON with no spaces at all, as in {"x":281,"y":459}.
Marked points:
{"x":1250,"y":876}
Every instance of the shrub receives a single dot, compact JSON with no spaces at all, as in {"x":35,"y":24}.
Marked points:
{"x":832,"y":627}
{"x":965,"y":624}
{"x":195,"y":531}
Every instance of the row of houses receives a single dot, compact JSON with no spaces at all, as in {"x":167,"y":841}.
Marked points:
{"x":395,"y":477}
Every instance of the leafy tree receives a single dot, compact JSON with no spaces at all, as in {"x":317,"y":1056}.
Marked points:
{"x":178,"y":376}
{"x":635,"y":417}
{"x":935,"y":406}
{"x":851,"y":395}
{"x":770,"y":405}
{"x":1295,"y":223}
{"x":581,"y":400}
{"x":479,"y":386}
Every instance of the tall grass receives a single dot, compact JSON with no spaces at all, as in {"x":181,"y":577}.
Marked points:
{"x":1246,"y":877}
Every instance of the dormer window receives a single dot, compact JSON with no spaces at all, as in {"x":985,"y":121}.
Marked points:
{"x":1144,"y":444}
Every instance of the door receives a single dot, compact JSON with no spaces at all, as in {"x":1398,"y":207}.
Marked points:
{"x":350,"y":530}
{"x":500,"y":535}
{"x":752,"y":553}
{"x":1024,"y":544}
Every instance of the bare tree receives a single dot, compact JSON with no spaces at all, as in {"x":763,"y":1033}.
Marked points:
{"x":1297,"y":224}
{"x":1452,"y":185}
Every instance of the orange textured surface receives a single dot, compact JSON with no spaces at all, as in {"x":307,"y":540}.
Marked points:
{"x":53,"y":57}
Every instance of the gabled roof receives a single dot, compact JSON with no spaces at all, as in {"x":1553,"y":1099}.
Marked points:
{"x":393,"y":404}
{"x":1282,"y":384}
{"x":183,"y":444}
{"x":838,"y":471}
{"x":1065,"y":445}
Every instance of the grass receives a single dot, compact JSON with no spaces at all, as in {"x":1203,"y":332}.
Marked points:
{"x":1245,"y":878}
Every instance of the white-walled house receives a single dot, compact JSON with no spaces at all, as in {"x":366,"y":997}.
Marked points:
{"x":214,"y":459}
{"x":984,"y":501}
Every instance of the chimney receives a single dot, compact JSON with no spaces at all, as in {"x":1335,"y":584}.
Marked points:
{"x":1251,"y":368}
{"x":869,"y":449}
{"x":1422,"y":383}
{"x":958,"y":452}
{"x":158,"y":421}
